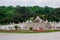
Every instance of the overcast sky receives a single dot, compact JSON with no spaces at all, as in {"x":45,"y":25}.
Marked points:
{"x":50,"y":3}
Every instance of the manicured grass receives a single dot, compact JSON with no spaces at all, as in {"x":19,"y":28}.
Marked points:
{"x":17,"y":31}
{"x":52,"y":30}
{"x":27,"y":31}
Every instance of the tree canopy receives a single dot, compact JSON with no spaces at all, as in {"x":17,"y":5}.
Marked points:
{"x":21,"y":14}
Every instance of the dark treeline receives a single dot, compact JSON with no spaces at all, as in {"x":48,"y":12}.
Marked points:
{"x":10,"y":14}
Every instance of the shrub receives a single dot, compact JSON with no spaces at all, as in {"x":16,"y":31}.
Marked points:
{"x":16,"y":27}
{"x":31,"y":28}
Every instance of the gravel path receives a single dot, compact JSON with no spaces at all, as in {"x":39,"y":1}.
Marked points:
{"x":33,"y":36}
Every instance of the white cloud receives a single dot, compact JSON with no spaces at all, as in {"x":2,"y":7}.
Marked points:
{"x":51,"y":3}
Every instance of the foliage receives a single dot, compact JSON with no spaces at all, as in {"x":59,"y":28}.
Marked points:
{"x":21,"y":14}
{"x":16,"y":27}
{"x":31,"y":28}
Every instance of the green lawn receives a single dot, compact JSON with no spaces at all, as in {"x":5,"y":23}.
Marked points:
{"x":27,"y":31}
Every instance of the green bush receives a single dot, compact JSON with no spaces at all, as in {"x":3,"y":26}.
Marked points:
{"x":16,"y":27}
{"x":31,"y":28}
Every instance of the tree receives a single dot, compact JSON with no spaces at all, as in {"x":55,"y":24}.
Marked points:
{"x":31,"y":28}
{"x":21,"y":14}
{"x":16,"y":27}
